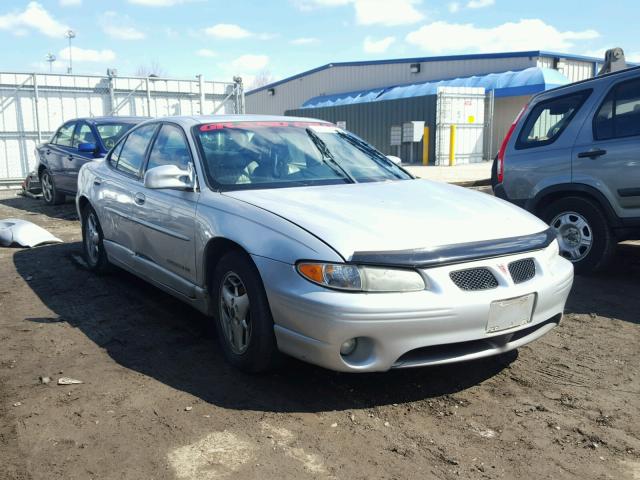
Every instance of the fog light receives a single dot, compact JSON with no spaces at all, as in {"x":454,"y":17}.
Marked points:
{"x":348,"y":347}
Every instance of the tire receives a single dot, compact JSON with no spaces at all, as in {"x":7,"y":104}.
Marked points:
{"x":93,"y":250}
{"x":50,"y":194}
{"x":494,"y":173}
{"x":576,"y":220}
{"x":247,"y":340}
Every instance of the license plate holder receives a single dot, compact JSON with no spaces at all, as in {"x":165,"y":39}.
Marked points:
{"x":510,"y":313}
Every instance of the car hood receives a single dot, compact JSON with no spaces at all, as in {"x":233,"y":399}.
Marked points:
{"x":396,"y":215}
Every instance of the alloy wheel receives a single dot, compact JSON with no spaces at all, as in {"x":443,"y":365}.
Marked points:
{"x":575,"y":235}
{"x":47,"y":187}
{"x":235,"y":313}
{"x":92,"y":238}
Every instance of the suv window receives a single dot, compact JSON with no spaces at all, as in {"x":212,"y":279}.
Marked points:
{"x":64,"y":135}
{"x":619,"y":115}
{"x":131,"y":155}
{"x":549,"y":118}
{"x":83,"y":135}
{"x":170,"y":148}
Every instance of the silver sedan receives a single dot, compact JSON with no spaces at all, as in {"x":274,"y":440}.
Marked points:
{"x":297,"y":237}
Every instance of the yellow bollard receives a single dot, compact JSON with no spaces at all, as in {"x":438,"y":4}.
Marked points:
{"x":452,"y":146}
{"x":425,"y":147}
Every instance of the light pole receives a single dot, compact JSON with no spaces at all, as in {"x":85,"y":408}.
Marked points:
{"x":70,"y":34}
{"x":50,"y":58}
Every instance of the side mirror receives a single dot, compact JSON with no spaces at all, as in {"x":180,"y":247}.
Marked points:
{"x":87,"y":147}
{"x":394,"y":159}
{"x":168,"y":176}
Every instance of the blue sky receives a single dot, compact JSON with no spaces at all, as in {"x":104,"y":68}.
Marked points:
{"x":279,"y":38}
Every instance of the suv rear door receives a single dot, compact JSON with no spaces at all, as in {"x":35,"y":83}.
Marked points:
{"x":540,"y":156}
{"x":607,"y":152}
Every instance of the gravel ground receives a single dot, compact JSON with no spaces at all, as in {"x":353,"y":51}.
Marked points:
{"x":158,"y":402}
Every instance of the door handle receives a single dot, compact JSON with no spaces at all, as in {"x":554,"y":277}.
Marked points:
{"x":139,"y":198}
{"x":97,"y":181}
{"x":69,"y":157}
{"x":593,"y":153}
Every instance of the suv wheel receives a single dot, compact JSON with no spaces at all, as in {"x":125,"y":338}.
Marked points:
{"x":242,"y":314}
{"x":50,"y":194}
{"x":584,"y":235}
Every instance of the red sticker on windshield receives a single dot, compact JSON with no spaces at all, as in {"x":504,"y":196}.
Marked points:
{"x":219,"y":126}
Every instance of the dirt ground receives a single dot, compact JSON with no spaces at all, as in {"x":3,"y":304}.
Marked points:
{"x":159,"y":402}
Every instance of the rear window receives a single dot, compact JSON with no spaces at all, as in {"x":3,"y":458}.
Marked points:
{"x":548,"y":119}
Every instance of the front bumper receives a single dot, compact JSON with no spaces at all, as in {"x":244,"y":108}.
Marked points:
{"x":397,"y":330}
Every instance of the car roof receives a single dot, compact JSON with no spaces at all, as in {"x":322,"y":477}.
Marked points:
{"x":113,"y":119}
{"x":191,"y":120}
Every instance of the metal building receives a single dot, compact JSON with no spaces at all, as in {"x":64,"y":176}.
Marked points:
{"x":374,"y":99}
{"x":290,"y":93}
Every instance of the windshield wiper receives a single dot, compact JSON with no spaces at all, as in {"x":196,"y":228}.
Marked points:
{"x":380,"y":158}
{"x":327,"y":155}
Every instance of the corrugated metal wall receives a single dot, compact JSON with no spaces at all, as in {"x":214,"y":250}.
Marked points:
{"x":338,"y":79}
{"x":33,"y":106}
{"x":373,"y":122}
{"x":504,"y":113}
{"x":574,"y":70}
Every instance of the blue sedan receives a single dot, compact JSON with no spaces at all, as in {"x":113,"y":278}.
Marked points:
{"x":75,"y":143}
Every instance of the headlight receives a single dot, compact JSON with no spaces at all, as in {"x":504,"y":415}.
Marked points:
{"x":359,"y":278}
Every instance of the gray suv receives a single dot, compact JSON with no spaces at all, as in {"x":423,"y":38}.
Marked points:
{"x":572,"y":157}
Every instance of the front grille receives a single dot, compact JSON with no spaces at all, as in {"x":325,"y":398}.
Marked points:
{"x":522,"y":270}
{"x":474,"y":279}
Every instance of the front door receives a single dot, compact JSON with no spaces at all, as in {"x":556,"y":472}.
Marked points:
{"x":58,"y":156}
{"x":84,"y":134}
{"x":117,"y":193}
{"x":607,"y":153}
{"x":166,"y":217}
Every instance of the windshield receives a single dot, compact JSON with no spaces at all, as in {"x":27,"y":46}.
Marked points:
{"x":110,"y":133}
{"x":243,"y":155}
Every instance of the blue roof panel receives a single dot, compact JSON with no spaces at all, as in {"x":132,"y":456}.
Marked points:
{"x":506,"y":84}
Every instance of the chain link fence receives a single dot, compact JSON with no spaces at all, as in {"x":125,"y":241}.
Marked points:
{"x":33,"y":106}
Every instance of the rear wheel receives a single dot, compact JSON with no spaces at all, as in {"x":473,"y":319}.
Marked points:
{"x":92,"y":242}
{"x":242,"y":315}
{"x":50,"y":194}
{"x":584,"y":235}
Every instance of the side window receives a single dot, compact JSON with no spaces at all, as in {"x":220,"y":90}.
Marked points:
{"x":115,"y":155}
{"x":548,"y":119}
{"x":619,"y":115}
{"x":83,"y":135}
{"x":170,"y":148}
{"x":64,"y":135}
{"x":135,"y":146}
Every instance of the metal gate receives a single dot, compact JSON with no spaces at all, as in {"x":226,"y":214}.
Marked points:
{"x":460,"y":125}
{"x":33,"y":106}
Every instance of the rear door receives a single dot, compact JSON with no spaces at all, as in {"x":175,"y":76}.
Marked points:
{"x":58,"y":155}
{"x":541,"y":155}
{"x":166,"y":217}
{"x":607,"y":153}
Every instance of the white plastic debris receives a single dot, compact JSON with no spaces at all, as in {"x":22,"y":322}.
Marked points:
{"x":68,"y":381}
{"x":21,"y":233}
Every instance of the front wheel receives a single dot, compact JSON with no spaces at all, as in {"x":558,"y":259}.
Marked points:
{"x":242,"y":314}
{"x":92,"y":242}
{"x":584,"y":235}
{"x":50,"y":194}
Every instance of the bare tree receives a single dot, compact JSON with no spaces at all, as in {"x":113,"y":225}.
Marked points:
{"x":154,"y":69}
{"x":263,"y":77}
